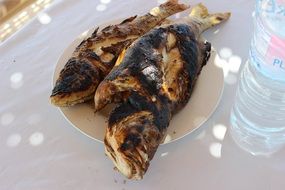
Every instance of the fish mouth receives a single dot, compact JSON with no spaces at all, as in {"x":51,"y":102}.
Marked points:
{"x":71,"y":99}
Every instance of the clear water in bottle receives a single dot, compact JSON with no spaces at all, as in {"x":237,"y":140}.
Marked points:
{"x":258,"y":114}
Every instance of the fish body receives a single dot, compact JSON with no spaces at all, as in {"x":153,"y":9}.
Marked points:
{"x":93,"y":59}
{"x":152,"y":80}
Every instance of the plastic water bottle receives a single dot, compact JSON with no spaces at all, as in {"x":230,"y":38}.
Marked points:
{"x":258,"y":114}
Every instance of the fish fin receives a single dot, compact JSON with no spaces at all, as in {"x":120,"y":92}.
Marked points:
{"x":94,"y":34}
{"x":206,"y":51}
{"x":206,"y":20}
{"x":130,"y":19}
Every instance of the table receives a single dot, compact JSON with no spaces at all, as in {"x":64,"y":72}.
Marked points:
{"x":40,"y":150}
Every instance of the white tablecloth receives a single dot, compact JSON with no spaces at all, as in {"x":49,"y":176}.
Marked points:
{"x":40,"y":150}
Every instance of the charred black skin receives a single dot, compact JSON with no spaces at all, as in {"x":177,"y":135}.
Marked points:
{"x":71,"y":83}
{"x":79,"y":74}
{"x":82,"y":72}
{"x":132,"y":27}
{"x":137,"y":103}
{"x":143,"y":55}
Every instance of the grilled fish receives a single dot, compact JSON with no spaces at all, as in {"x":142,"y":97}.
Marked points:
{"x":95,"y":57}
{"x":152,"y":80}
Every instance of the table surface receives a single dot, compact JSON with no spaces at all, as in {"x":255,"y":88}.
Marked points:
{"x":40,"y":150}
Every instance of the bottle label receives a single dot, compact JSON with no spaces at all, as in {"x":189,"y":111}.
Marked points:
{"x":270,"y":33}
{"x":276,"y":55}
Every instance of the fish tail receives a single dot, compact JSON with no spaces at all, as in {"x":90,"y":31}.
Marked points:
{"x":168,"y":8}
{"x":204,"y":19}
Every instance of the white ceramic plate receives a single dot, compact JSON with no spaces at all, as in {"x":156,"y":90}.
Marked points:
{"x":204,"y":100}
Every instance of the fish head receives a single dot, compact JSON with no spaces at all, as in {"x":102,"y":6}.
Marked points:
{"x":131,"y":141}
{"x":76,"y":83}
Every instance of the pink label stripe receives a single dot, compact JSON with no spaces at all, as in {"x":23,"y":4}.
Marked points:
{"x":276,"y":48}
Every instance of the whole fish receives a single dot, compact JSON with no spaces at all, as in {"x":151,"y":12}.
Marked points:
{"x":95,"y":57}
{"x":152,"y":80}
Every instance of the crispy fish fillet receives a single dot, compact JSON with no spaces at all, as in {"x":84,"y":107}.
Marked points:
{"x":152,"y":80}
{"x":95,"y":57}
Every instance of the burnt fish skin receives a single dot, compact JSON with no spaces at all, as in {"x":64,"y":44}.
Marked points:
{"x":95,"y":57}
{"x":152,"y":80}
